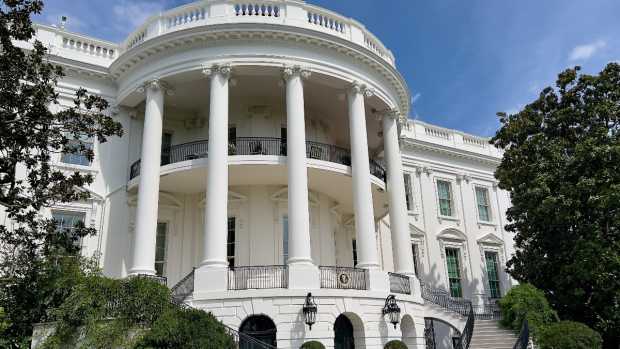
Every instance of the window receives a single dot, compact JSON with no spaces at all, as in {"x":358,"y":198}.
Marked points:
{"x":454,"y":272}
{"x":283,"y":140}
{"x":166,"y":143}
{"x":230,"y":242}
{"x":160,"y":249}
{"x":67,"y":222}
{"x":482,"y":198}
{"x":79,"y":157}
{"x":354,"y":247}
{"x":492,"y":274}
{"x":285,"y":239}
{"x":232,"y":140}
{"x":444,"y":193}
{"x":416,"y":266}
{"x":408,"y":191}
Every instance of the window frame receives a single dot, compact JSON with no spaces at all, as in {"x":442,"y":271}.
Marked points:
{"x":233,"y":243}
{"x":69,"y":211}
{"x":497,"y":271}
{"x":453,"y":206}
{"x":62,"y":160}
{"x":164,"y":261}
{"x":409,"y":192}
{"x":459,"y":262}
{"x":488,"y":204}
{"x":285,"y":239}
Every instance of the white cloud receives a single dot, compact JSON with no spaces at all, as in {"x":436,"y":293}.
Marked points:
{"x":416,"y":97}
{"x":129,"y":15}
{"x":583,"y":52}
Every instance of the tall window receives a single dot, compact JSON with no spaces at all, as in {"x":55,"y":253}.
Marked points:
{"x":160,"y":249}
{"x":454,"y":272}
{"x":67,"y":221}
{"x":232,"y":140}
{"x":79,"y":157}
{"x":416,"y":266}
{"x":444,"y":192}
{"x":354,"y":247}
{"x":230,"y":242}
{"x":283,"y":140}
{"x":408,"y":191}
{"x":493,"y":273}
{"x":482,"y":198}
{"x":285,"y":239}
{"x":166,"y":143}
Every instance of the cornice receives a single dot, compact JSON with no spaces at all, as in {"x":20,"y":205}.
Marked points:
{"x":413,"y":144}
{"x":261,"y":31}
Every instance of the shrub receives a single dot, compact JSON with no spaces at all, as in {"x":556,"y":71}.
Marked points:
{"x":186,"y":328}
{"x":395,"y":344}
{"x":312,"y":345}
{"x":524,"y":301}
{"x":568,"y":335}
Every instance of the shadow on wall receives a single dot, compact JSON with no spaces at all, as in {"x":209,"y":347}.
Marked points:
{"x":437,"y":277}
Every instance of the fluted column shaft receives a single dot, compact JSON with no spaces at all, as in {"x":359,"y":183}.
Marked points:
{"x":298,"y":216}
{"x":216,"y":208}
{"x":399,"y":222}
{"x":362,"y":194}
{"x":148,"y":191}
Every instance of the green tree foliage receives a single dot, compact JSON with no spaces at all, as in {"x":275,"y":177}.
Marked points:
{"x":562,"y":169}
{"x":568,"y":335}
{"x":395,"y":344}
{"x":37,"y":263}
{"x":526,"y":301}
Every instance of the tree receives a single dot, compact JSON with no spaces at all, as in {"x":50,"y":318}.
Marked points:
{"x":562,"y":169}
{"x":36,"y":261}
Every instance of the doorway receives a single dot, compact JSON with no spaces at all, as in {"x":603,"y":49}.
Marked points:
{"x":343,"y":333}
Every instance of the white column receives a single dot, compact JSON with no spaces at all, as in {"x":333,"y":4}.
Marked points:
{"x":212,"y":275}
{"x":399,"y":222}
{"x":303,"y":274}
{"x":362,"y":194}
{"x":216,"y":206}
{"x":148,"y":190}
{"x":298,"y":216}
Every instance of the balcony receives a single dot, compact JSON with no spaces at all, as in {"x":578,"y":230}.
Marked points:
{"x":399,"y":283}
{"x":258,"y":277}
{"x":344,"y":278}
{"x":257,"y":146}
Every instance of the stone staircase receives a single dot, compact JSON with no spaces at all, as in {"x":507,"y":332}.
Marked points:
{"x":488,"y":334}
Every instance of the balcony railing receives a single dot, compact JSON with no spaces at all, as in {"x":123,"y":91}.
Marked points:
{"x":258,"y":277}
{"x":399,"y":283}
{"x":443,"y":299}
{"x":257,"y":146}
{"x":344,"y":278}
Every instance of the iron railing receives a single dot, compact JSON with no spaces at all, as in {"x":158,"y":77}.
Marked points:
{"x":399,"y":283}
{"x":242,"y":340}
{"x":344,"y":278}
{"x":524,"y":337}
{"x":183,"y":288}
{"x":443,"y":299}
{"x":468,"y":331}
{"x":257,"y":146}
{"x":258,"y":277}
{"x":489,"y":310}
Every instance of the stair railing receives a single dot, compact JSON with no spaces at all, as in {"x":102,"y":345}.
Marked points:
{"x":183,"y":288}
{"x":247,"y":340}
{"x":443,"y":299}
{"x":468,"y":330}
{"x":524,"y":337}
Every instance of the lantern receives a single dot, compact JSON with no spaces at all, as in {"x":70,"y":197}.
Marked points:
{"x":310,"y":310}
{"x":392,"y":310}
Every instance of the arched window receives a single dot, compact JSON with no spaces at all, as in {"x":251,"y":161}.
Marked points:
{"x":343,"y":333}
{"x":260,"y":327}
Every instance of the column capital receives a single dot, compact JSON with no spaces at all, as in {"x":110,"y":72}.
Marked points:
{"x":393,"y":114}
{"x":295,"y":70}
{"x":211,"y":70}
{"x":358,"y":87}
{"x":156,"y":84}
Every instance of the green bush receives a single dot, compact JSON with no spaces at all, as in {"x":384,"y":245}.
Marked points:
{"x":312,"y":345}
{"x":186,"y":328}
{"x":524,"y":301}
{"x":395,"y":344}
{"x":568,"y":335}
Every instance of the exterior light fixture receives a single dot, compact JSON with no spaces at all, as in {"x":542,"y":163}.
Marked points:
{"x":310,"y":310}
{"x":392,"y":310}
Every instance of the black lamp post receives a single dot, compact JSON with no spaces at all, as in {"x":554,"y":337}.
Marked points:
{"x":392,"y":310}
{"x":310,"y":310}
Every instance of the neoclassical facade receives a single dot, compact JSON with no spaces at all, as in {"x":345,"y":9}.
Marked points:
{"x":267,"y":155}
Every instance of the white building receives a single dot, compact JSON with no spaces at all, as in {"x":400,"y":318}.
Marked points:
{"x":259,"y":138}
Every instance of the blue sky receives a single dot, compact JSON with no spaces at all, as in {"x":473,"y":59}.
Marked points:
{"x":463,"y":60}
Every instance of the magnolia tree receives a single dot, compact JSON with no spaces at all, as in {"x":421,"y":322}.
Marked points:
{"x":562,"y":169}
{"x":36,"y":261}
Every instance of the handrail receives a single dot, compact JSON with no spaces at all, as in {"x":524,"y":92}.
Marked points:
{"x":239,"y":337}
{"x":524,"y":337}
{"x":443,"y":299}
{"x":258,"y":277}
{"x":347,"y":278}
{"x":183,"y":288}
{"x":399,"y":283}
{"x":258,"y":146}
{"x":468,"y":330}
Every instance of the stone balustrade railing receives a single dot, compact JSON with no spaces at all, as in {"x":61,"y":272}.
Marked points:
{"x":291,"y":13}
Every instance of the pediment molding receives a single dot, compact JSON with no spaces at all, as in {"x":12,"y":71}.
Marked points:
{"x":282,"y":196}
{"x":233,"y":198}
{"x":166,"y":200}
{"x":490,"y":239}
{"x":452,"y":234}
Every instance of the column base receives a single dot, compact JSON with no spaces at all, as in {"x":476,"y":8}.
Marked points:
{"x":303,"y":276}
{"x":378,"y":280}
{"x":211,"y":278}
{"x":141,"y":271}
